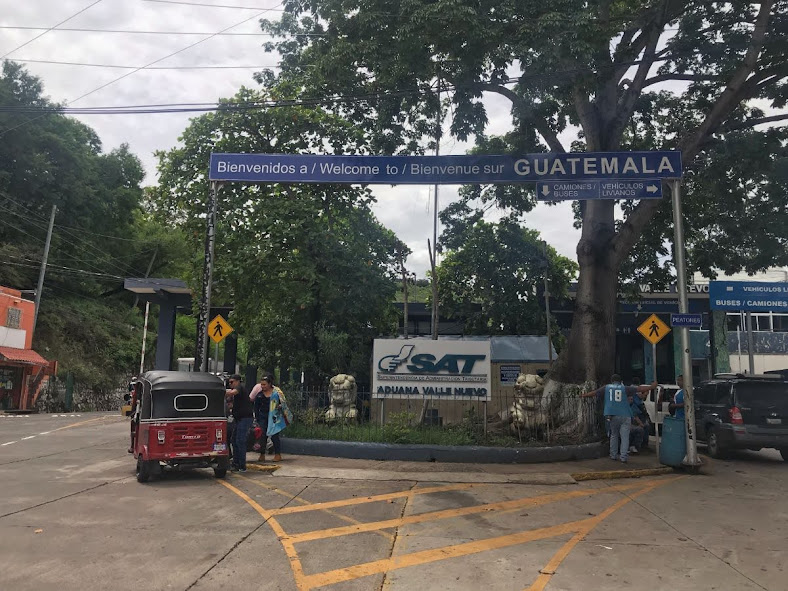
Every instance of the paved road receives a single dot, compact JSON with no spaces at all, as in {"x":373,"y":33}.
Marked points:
{"x":72,"y":516}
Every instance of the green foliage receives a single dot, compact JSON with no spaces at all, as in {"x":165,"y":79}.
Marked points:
{"x":307,"y":268}
{"x":493,"y":273}
{"x":598,"y":66}
{"x":101,"y":236}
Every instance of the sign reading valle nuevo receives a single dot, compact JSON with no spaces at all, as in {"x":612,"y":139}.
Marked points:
{"x":423,"y":368}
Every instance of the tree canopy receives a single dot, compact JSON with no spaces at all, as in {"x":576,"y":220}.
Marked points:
{"x":308,"y":268}
{"x":101,"y":234}
{"x":644,"y":74}
{"x":492,"y":276}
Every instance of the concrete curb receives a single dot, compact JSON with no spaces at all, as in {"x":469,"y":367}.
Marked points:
{"x":442,"y":453}
{"x":614,"y":474}
{"x":372,"y":474}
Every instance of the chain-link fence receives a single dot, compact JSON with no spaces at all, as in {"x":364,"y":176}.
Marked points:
{"x":505,"y":420}
{"x":63,"y":394}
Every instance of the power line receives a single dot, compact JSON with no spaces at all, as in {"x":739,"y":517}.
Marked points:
{"x":50,"y":28}
{"x":168,"y":33}
{"x":86,"y":245}
{"x":121,"y":67}
{"x":132,"y":72}
{"x":203,"y":4}
{"x":58,"y":268}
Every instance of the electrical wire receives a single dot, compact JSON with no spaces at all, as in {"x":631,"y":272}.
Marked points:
{"x":132,"y":72}
{"x":26,"y":43}
{"x":121,"y":67}
{"x":205,"y":5}
{"x":86,"y":245}
{"x":169,"y":33}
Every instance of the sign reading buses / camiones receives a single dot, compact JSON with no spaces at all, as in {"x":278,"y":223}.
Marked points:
{"x":424,"y":368}
{"x":750,"y":296}
{"x":448,"y":170}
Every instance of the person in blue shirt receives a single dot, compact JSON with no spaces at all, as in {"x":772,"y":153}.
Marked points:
{"x":678,"y":400}
{"x":640,"y":424}
{"x":617,"y":410}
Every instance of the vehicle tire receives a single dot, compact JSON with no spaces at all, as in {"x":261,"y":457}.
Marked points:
{"x":220,"y":472}
{"x":143,"y":470}
{"x":716,"y":450}
{"x":784,"y":454}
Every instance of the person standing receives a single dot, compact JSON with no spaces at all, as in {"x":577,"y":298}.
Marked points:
{"x":619,"y":413}
{"x":279,"y":416}
{"x":677,"y":405}
{"x":261,"y":407}
{"x":243,"y":413}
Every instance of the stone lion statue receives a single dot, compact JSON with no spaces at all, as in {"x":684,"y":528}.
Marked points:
{"x":526,"y":412}
{"x":342,"y":390}
{"x":550,"y":407}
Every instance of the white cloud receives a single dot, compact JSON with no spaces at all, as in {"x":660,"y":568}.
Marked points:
{"x":407,"y":210}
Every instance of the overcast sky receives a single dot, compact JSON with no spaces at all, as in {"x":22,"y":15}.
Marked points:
{"x":407,"y":210}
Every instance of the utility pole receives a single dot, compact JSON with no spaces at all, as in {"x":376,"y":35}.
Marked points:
{"x":547,"y":303}
{"x":43,"y":270}
{"x":201,"y":352}
{"x":404,"y":295}
{"x":750,"y":344}
{"x":434,"y":251}
{"x":686,"y":360}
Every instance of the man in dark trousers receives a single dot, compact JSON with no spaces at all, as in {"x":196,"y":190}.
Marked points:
{"x":243,"y":413}
{"x":618,"y":412}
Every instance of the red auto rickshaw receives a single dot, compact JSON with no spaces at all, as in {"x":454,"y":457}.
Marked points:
{"x":179,"y":420}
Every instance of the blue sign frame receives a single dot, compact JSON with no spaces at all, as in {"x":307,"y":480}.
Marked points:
{"x":599,"y":189}
{"x":686,"y":320}
{"x":750,"y":296}
{"x":446,"y":170}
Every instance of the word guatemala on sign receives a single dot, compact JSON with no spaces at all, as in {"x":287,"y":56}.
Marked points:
{"x":469,"y":169}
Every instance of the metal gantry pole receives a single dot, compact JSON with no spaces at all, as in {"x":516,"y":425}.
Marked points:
{"x":686,"y":360}
{"x":201,"y":352}
{"x":43,"y":271}
{"x":144,"y":337}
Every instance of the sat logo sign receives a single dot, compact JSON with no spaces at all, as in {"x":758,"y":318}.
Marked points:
{"x":424,"y":368}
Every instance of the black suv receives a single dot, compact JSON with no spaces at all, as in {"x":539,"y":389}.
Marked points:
{"x":736,"y":411}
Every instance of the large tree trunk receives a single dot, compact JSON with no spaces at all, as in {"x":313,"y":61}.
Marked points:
{"x":590,"y":351}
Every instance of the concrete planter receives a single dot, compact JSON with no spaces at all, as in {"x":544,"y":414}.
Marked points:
{"x":442,"y":453}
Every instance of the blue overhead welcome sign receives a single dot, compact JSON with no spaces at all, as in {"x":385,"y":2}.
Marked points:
{"x":447,"y":170}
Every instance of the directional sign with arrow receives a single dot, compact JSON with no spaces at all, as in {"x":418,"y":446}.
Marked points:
{"x":218,"y":329}
{"x":579,"y":190}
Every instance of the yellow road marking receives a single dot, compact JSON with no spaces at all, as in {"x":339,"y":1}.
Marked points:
{"x":459,"y":512}
{"x":427,"y":556}
{"x":549,"y":570}
{"x":297,"y":499}
{"x":458,"y":550}
{"x":374,"y":498}
{"x":292,"y":555}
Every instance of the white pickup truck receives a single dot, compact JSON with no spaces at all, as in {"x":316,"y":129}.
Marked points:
{"x":663,"y":393}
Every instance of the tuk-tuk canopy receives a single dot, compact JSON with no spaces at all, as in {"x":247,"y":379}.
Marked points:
{"x":181,"y":395}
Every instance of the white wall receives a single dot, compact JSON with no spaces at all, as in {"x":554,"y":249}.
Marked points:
{"x":12,"y":337}
{"x":762,"y":363}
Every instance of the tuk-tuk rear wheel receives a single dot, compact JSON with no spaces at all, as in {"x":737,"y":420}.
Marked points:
{"x":143,"y":470}
{"x":220,"y":472}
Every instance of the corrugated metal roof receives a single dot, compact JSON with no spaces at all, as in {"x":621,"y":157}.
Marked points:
{"x":508,"y":348}
{"x":27,"y":356}
{"x":519,"y":348}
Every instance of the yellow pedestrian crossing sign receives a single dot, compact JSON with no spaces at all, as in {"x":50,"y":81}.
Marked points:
{"x":653,"y":329}
{"x":218,"y":329}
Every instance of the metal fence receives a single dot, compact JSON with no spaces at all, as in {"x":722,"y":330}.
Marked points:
{"x":506,"y":420}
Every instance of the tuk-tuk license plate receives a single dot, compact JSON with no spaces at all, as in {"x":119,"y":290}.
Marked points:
{"x":774,"y":421}
{"x":219,"y":447}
